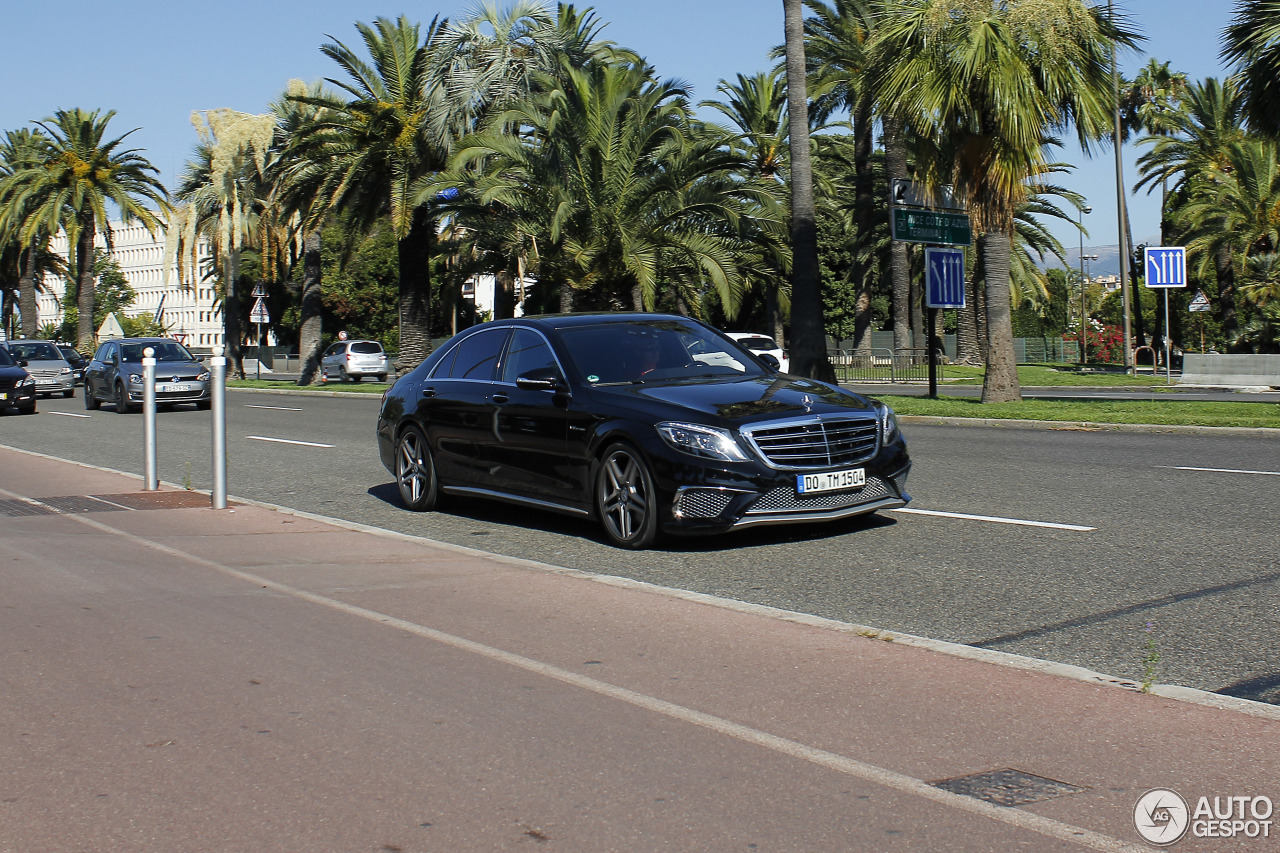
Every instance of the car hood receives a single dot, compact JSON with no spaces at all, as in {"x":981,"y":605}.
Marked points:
{"x":12,"y":373}
{"x":741,"y":401}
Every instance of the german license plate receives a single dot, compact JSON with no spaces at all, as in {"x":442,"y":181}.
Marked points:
{"x":831,"y":481}
{"x":162,"y":387}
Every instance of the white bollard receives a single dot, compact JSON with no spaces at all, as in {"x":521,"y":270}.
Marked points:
{"x":218,"y":406}
{"x":152,"y":482}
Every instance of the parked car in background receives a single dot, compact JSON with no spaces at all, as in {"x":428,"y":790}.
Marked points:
{"x":17,"y":387}
{"x":351,"y":361}
{"x":46,"y":365}
{"x":648,"y":423}
{"x":761,"y":345}
{"x":76,"y":359}
{"x":115,"y":375}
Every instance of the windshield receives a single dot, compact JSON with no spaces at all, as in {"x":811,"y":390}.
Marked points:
{"x":165,"y":351}
{"x":34,"y":351}
{"x":653,"y":350}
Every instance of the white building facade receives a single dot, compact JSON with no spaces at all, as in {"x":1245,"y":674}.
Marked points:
{"x":188,"y":313}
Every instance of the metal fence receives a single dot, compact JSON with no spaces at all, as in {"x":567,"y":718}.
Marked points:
{"x":883,"y":365}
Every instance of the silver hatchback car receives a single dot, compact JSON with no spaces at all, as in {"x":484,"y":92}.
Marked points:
{"x":351,"y":361}
{"x":52,"y":372}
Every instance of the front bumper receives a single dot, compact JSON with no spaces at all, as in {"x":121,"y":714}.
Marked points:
{"x":20,"y":396}
{"x":196,"y":392}
{"x":718,"y":500}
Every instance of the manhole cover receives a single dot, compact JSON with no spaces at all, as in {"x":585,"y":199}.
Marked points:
{"x":16,"y":509}
{"x":1007,"y":787}
{"x":159,"y":500}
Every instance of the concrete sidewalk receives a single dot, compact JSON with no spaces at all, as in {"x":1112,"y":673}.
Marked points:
{"x":858,"y":739}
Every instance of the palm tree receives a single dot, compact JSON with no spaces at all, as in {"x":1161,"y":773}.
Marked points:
{"x":757,"y":108}
{"x":22,"y":149}
{"x":611,"y":181}
{"x":1196,"y":152}
{"x":1251,"y":44}
{"x":368,"y":145}
{"x":69,"y":188}
{"x":225,"y":189}
{"x":996,"y":80}
{"x":808,"y":337}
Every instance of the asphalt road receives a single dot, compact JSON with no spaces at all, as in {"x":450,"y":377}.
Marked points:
{"x":1154,"y":540}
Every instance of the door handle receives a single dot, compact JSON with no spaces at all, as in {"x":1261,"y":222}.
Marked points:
{"x":500,"y":398}
{"x":428,"y":392}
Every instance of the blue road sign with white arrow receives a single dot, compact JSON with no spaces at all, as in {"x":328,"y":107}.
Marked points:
{"x":1166,"y":266}
{"x":944,"y":278}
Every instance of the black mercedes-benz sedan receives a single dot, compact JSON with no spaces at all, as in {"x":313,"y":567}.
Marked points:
{"x":649,"y":423}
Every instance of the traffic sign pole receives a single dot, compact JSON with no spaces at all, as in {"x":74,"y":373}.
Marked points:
{"x":1166,"y":267}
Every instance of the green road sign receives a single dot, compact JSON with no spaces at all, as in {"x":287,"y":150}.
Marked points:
{"x":931,"y":226}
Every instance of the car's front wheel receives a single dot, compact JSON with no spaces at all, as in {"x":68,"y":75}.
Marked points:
{"x":122,"y":400}
{"x":90,"y":402}
{"x":415,"y":471}
{"x":69,"y":393}
{"x":626,"y":500}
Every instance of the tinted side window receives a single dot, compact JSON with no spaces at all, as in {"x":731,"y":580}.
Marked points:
{"x":477,"y":356}
{"x":528,"y":351}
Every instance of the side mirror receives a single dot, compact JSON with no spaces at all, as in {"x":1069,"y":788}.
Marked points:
{"x":541,"y":379}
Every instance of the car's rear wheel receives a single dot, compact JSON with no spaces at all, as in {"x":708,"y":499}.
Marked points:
{"x":342,"y":375}
{"x":415,"y":471}
{"x":90,"y":402}
{"x":626,"y":500}
{"x":122,"y":400}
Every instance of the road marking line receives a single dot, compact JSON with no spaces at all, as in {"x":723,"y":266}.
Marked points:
{"x":274,"y":408}
{"x":1219,"y":470}
{"x":68,"y":414}
{"x":996,"y":519}
{"x":852,"y":767}
{"x":288,"y":441}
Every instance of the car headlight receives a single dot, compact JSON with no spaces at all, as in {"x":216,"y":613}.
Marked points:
{"x":29,"y":381}
{"x":203,"y":377}
{"x":135,"y":378}
{"x":64,"y":371}
{"x":704,"y":441}
{"x":888,"y":423}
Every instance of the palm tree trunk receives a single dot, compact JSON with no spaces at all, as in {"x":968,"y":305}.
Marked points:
{"x":86,"y":296}
{"x":895,"y":156}
{"x":1001,"y":382}
{"x":863,"y":224}
{"x":311,"y":330}
{"x":231,"y":313}
{"x":27,"y":293}
{"x":414,"y":255}
{"x":808,"y":335}
{"x":1226,"y":272}
{"x":566,"y":297}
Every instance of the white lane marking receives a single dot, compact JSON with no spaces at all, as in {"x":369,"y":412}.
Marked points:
{"x":288,"y":441}
{"x":996,"y":519}
{"x":68,"y":414}
{"x":274,"y":408}
{"x":859,"y":769}
{"x":1219,"y":470}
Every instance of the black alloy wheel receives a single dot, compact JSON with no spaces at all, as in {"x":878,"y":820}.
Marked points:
{"x":626,"y":500}
{"x":416,"y":472}
{"x":122,"y":400}
{"x":91,"y":402}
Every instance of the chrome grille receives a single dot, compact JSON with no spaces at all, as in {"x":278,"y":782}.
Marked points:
{"x":704,"y":503}
{"x":786,"y":500}
{"x":817,"y":443}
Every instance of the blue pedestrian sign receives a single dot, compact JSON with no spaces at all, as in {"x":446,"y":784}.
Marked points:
{"x":1166,"y":266}
{"x":944,"y":278}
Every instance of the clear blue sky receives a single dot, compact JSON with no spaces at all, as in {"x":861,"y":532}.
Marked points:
{"x":155,"y":62}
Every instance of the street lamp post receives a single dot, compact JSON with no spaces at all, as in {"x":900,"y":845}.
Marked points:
{"x":1083,"y":211}
{"x":1084,"y":309}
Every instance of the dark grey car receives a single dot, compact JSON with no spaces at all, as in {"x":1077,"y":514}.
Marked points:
{"x":46,"y":364}
{"x":116,"y":372}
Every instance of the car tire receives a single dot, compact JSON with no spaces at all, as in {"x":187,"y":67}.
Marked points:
{"x":69,"y":393}
{"x":27,"y":410}
{"x":416,"y":471}
{"x":91,"y":403}
{"x":342,"y":375}
{"x":122,"y":400}
{"x":625,"y":499}
{"x":204,"y":405}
